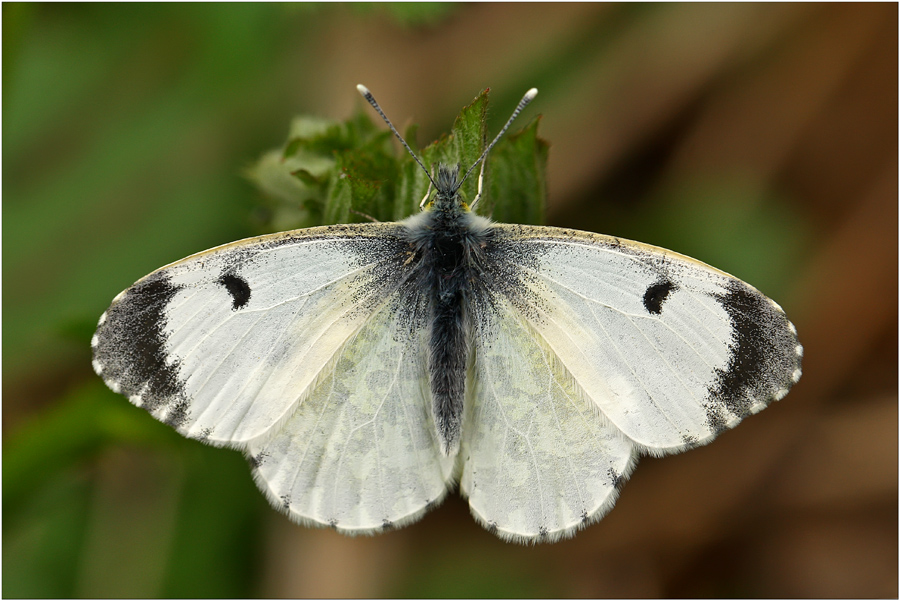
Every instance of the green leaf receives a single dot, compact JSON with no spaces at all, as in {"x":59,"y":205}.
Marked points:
{"x":371,"y":172}
{"x":338,"y":172}
{"x":464,"y":144}
{"x":517,"y":178}
{"x":196,"y":535}
{"x":43,"y":540}
{"x":88,"y":419}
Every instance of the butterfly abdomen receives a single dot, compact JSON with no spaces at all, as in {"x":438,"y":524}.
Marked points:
{"x":448,"y":342}
{"x":448,"y":240}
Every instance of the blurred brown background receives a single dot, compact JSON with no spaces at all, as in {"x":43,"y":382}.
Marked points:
{"x":760,"y":138}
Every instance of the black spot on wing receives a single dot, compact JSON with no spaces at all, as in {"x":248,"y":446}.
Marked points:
{"x":763,"y":356}
{"x":656,"y":295}
{"x":237,"y":287}
{"x":615,"y":478}
{"x":131,"y":347}
{"x":716,"y":418}
{"x":689,"y":440}
{"x":257,"y":460}
{"x":178,"y":413}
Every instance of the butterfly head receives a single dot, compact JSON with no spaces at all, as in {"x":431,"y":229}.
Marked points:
{"x":447,"y":180}
{"x":447,"y":184}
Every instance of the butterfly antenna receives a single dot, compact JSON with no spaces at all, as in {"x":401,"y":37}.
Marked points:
{"x":528,"y":97}
{"x":371,"y":100}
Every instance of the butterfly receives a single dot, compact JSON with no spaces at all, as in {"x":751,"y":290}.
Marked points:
{"x":368,"y":369}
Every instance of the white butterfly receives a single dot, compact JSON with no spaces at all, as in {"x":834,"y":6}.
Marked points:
{"x":365,"y":369}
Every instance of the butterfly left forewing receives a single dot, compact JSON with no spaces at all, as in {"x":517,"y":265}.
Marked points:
{"x":670,"y":350}
{"x":225,"y":344}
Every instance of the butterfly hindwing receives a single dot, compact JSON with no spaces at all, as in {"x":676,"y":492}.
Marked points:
{"x":538,"y":460}
{"x":225,"y":344}
{"x":670,"y":350}
{"x":361,"y":453}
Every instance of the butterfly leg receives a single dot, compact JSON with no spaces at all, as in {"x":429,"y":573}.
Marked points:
{"x":366,"y":215}
{"x":480,"y":184}
{"x":427,"y":193}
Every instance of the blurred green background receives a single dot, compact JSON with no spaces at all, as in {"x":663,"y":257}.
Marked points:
{"x":760,"y":138}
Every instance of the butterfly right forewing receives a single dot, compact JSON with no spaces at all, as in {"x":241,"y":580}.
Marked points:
{"x":668,"y":349}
